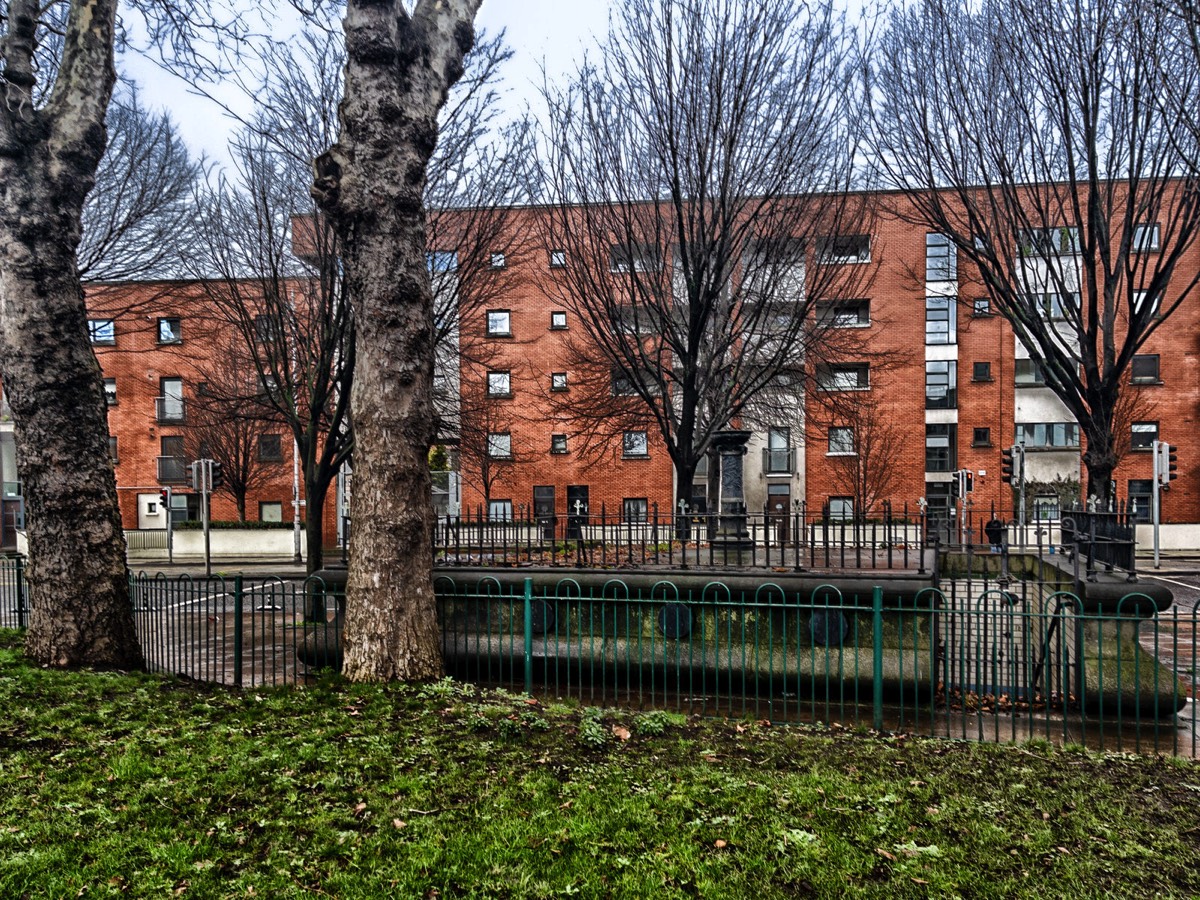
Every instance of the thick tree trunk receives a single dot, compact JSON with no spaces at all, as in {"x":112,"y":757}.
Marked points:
{"x":314,"y":522}
{"x":398,"y":71}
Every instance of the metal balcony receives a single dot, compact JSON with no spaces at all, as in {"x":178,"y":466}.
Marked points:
{"x":173,"y":470}
{"x":777,"y":461}
{"x":169,"y":409}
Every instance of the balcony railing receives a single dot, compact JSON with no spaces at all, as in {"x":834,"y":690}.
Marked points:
{"x":173,"y":470}
{"x":169,"y":409}
{"x":777,"y":461}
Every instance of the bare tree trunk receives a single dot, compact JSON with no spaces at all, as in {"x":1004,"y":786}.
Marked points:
{"x":370,"y":184}
{"x":314,"y":522}
{"x":79,"y":593}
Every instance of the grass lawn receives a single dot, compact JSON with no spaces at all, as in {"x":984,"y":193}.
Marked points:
{"x":138,"y":786}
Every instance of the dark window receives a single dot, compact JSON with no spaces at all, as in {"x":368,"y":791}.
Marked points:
{"x":1048,"y":435}
{"x":635,"y":510}
{"x":270,"y":447}
{"x":1145,"y":369}
{"x":558,"y":381}
{"x":266,"y":328}
{"x":1029,"y":373}
{"x":558,"y":443}
{"x":939,"y":320}
{"x":170,"y":331}
{"x":981,"y":437}
{"x":849,"y":377}
{"x":558,"y":259}
{"x":941,"y":258}
{"x":110,"y":391}
{"x":941,"y":391}
{"x":1143,"y":435}
{"x":843,"y":314}
{"x":981,"y":371}
{"x":941,"y":454}
{"x":1141,"y":498}
{"x":634,"y":258}
{"x":635,"y":443}
{"x":842,"y":249}
{"x":112,"y":450}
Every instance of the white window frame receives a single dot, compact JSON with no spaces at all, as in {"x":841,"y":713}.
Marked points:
{"x":1140,"y":244}
{"x":102,"y":332}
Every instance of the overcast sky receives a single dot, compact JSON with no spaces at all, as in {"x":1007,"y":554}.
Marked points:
{"x":552,"y":32}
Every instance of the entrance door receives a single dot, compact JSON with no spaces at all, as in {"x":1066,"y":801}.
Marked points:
{"x":543,"y":509}
{"x":577,"y":510}
{"x":779,"y":504}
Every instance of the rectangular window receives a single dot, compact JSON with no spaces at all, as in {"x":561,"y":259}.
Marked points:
{"x":102,"y":331}
{"x":270,"y":447}
{"x":1139,"y":302}
{"x":500,"y":511}
{"x":169,"y":405}
{"x":499,"y":323}
{"x":841,"y":441}
{"x":1056,"y":306}
{"x":1145,"y":369}
{"x":844,"y":377}
{"x":266,"y":328}
{"x":841,"y":508}
{"x":558,"y":381}
{"x":941,"y":384}
{"x":172,"y":461}
{"x":941,"y":258}
{"x":635,"y":510}
{"x":777,"y":457}
{"x":844,"y":313}
{"x":1028,"y":373}
{"x":940,"y":320}
{"x":558,"y":443}
{"x":270,"y":511}
{"x":623,"y":384}
{"x":497,"y":260}
{"x":1048,"y":435}
{"x":1045,"y":508}
{"x":558,"y":321}
{"x":441,"y":261}
{"x":1146,"y":238}
{"x":110,"y":391}
{"x":1050,"y":242}
{"x":112,"y":450}
{"x":1143,"y":435}
{"x":170,"y":331}
{"x":558,"y":259}
{"x":499,"y":384}
{"x":982,"y":306}
{"x":845,"y":249}
{"x":634,"y":258}
{"x":499,"y":445}
{"x":635,"y":443}
{"x":981,"y":371}
{"x":941,"y":454}
{"x":981,"y":437}
{"x":1141,"y":498}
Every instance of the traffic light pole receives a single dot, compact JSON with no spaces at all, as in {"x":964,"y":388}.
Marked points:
{"x":205,"y":489}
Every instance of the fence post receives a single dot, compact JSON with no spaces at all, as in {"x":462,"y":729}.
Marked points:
{"x":528,"y":635}
{"x":237,"y":631}
{"x":22,"y":596}
{"x":877,"y":675}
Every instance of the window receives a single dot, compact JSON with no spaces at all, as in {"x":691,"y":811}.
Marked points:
{"x":1054,"y":305}
{"x":1141,"y":498}
{"x":844,"y":313}
{"x":1045,"y":507}
{"x":635,"y":510}
{"x":939,"y":320}
{"x":558,"y":321}
{"x":847,"y":377}
{"x":270,"y":511}
{"x":1050,"y":242}
{"x":500,"y":511}
{"x":632,"y":320}
{"x":1139,"y":302}
{"x":940,"y":451}
{"x":169,"y":403}
{"x":497,"y":260}
{"x":1048,"y":435}
{"x":941,"y":390}
{"x":270,"y":447}
{"x":634,"y":258}
{"x":1029,"y":373}
{"x":442,"y":261}
{"x":777,"y":457}
{"x":844,"y":249}
{"x":635,"y":443}
{"x":1145,"y":369}
{"x":172,"y":461}
{"x":941,"y":258}
{"x":841,"y":508}
{"x":499,"y":445}
{"x":981,"y":437}
{"x":558,"y":443}
{"x":112,"y":450}
{"x":102,"y":331}
{"x":623,"y":384}
{"x":266,"y":328}
{"x":841,"y":441}
{"x":499,"y":323}
{"x":170,"y":331}
{"x":1146,"y":238}
{"x":558,"y":259}
{"x":1143,"y":435}
{"x":982,"y":306}
{"x":558,"y":381}
{"x":499,"y":384}
{"x":981,"y":371}
{"x":110,"y":391}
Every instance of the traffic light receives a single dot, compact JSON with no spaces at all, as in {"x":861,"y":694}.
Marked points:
{"x":968,"y":481}
{"x":956,"y":485}
{"x":197,"y":475}
{"x":1006,"y":465}
{"x":1166,"y":464}
{"x":164,"y":497}
{"x":218,"y":478}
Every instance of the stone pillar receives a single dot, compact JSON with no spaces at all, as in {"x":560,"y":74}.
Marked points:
{"x":733,"y":538}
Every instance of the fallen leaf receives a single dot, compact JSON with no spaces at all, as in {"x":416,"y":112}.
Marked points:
{"x":890,"y":857}
{"x":719,"y":844}
{"x":739,"y":728}
{"x":531,"y":701}
{"x":620,"y":732}
{"x":360,"y":808}
{"x":919,"y":881}
{"x":399,"y":823}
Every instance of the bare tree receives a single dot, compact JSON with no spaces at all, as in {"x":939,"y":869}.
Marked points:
{"x":867,"y":446}
{"x":1032,"y":136}
{"x":698,"y":175}
{"x":370,"y":184}
{"x":488,"y":452}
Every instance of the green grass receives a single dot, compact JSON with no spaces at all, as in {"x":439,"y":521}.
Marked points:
{"x":137,"y":786}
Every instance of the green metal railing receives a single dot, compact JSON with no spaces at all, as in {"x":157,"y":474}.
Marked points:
{"x":975,"y":659}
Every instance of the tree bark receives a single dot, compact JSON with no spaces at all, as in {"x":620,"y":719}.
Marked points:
{"x":79,"y":592}
{"x":370,"y":185}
